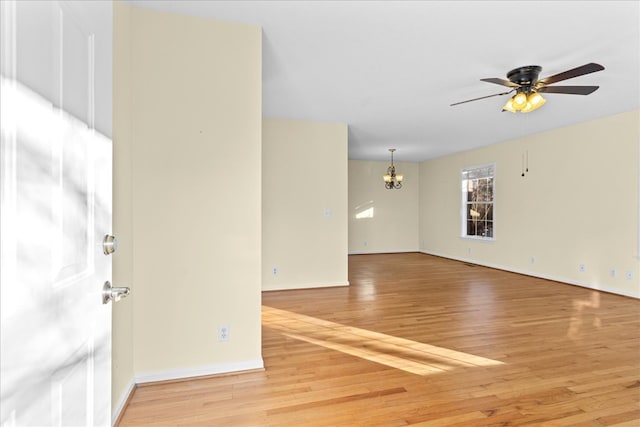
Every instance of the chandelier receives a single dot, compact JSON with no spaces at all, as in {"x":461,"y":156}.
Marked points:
{"x":391,"y":180}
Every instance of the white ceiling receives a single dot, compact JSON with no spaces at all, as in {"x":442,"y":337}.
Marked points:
{"x":391,"y":69}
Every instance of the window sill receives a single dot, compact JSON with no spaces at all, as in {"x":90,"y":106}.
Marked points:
{"x":479,"y":238}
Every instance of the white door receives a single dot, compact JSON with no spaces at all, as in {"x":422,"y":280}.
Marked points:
{"x":55,"y":166}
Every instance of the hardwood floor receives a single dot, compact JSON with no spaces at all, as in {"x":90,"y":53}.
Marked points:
{"x":424,"y":341}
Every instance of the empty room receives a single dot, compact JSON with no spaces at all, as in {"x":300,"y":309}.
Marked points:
{"x":320,"y":213}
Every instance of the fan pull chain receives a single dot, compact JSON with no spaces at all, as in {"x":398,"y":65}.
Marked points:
{"x":525,"y":162}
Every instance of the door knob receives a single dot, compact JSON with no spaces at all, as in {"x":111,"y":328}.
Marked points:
{"x":110,"y":293}
{"x":109,"y":244}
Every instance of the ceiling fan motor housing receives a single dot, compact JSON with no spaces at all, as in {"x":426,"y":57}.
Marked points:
{"x":524,"y":76}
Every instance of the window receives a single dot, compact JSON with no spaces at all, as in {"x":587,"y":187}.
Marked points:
{"x":477,"y":201}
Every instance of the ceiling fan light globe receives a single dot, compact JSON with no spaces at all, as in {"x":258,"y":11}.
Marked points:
{"x":534,"y":101}
{"x":509,"y":106}
{"x":519,"y":101}
{"x":540,"y":103}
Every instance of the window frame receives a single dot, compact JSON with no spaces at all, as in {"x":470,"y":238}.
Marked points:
{"x":464,"y":202}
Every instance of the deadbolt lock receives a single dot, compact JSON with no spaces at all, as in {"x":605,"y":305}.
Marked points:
{"x":109,"y":244}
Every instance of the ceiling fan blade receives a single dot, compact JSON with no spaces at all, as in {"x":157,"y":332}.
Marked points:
{"x":571,"y":90}
{"x":482,"y":97}
{"x":591,"y":67}
{"x":502,"y":82}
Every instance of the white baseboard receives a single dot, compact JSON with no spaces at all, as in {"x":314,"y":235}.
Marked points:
{"x":312,"y":285}
{"x":391,"y":251}
{"x":117,"y":411}
{"x":200,"y":371}
{"x":538,"y":275}
{"x":176,"y":374}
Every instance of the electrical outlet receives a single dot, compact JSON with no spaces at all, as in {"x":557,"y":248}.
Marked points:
{"x":275,"y":271}
{"x":469,"y":250}
{"x":582,"y":268}
{"x":223,"y":332}
{"x":613,"y":272}
{"x":533,"y":260}
{"x":365,"y":243}
{"x":629,"y":275}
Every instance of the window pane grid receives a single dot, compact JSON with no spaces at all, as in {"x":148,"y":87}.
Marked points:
{"x":478,"y":185}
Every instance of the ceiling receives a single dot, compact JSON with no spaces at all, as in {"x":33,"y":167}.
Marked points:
{"x":391,"y":69}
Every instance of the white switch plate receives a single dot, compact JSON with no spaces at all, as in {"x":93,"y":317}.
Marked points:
{"x":223,"y":332}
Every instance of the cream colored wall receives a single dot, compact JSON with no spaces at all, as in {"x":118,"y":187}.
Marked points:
{"x":122,"y":372}
{"x":394,"y":225}
{"x":188,"y":197}
{"x":577,"y":205}
{"x":304,"y":207}
{"x":196,"y":114}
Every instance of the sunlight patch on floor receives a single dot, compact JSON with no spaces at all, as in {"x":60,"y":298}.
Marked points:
{"x":400,"y":353}
{"x":584,"y":310}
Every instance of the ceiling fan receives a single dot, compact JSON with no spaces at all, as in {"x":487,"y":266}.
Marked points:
{"x":527,"y":87}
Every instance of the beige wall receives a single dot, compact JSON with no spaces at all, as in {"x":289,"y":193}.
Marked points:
{"x":577,"y":205}
{"x":394,"y":224}
{"x":122,"y":329}
{"x":304,"y":220}
{"x":189,"y":199}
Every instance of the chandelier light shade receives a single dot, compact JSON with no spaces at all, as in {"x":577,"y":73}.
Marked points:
{"x":524,"y":102}
{"x":391,"y":179}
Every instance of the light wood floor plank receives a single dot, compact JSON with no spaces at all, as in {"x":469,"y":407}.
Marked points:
{"x":424,"y":341}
